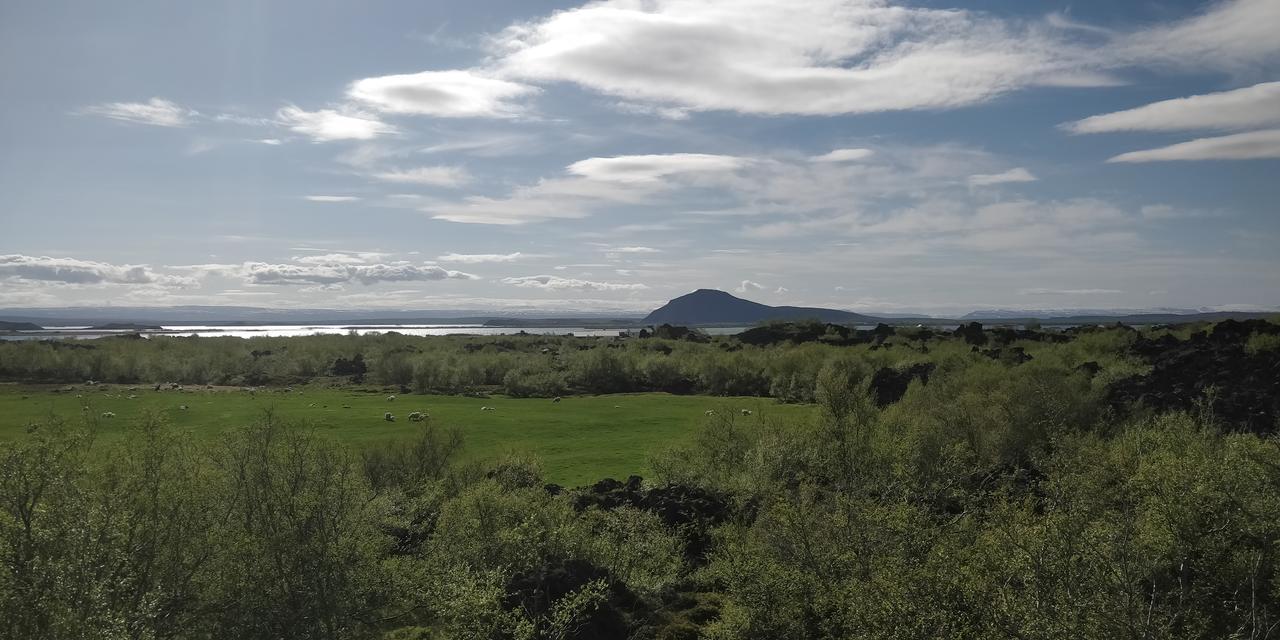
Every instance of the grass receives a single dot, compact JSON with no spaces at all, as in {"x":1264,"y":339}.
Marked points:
{"x":579,"y":440}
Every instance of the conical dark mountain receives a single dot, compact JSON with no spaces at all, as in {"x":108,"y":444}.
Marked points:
{"x":709,"y":306}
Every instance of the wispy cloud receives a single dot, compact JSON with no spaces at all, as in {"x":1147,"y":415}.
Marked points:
{"x":451,"y":94}
{"x":649,"y":168}
{"x":479,"y":258}
{"x":327,"y":125}
{"x":1253,"y":145}
{"x":438,"y":176}
{"x":556,"y":283}
{"x":331,"y":198}
{"x":1249,"y":107}
{"x":1013,"y":175}
{"x":156,"y":112}
{"x":843,"y":155}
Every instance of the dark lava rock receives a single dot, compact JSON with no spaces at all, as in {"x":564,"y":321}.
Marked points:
{"x":1246,"y":388}
{"x":972,"y":333}
{"x":890,"y":385}
{"x":1008,"y":355}
{"x":535,"y":591}
{"x":690,"y":510}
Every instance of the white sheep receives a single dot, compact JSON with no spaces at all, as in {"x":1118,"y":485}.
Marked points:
{"x":417,"y":416}
{"x":709,"y":412}
{"x":183,"y":407}
{"x":556,"y":399}
{"x":488,"y":409}
{"x":388,"y":417}
{"x":391,"y":398}
{"x":746,"y":412}
{"x":108,"y":414}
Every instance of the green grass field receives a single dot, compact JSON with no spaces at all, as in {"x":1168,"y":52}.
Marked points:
{"x":579,"y":440}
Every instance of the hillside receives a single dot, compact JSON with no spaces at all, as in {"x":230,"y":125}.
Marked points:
{"x":19,"y":326}
{"x":710,"y":306}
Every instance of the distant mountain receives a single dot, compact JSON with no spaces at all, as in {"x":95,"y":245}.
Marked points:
{"x":991,"y":314}
{"x":710,"y":306}
{"x":19,"y":326}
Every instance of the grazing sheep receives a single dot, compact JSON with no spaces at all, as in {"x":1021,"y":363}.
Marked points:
{"x":417,"y":416}
{"x":183,"y":407}
{"x":388,"y":417}
{"x":746,"y":412}
{"x":709,"y":412}
{"x":617,"y":406}
{"x":556,"y":399}
{"x":391,"y":398}
{"x":488,"y":409}
{"x":108,"y":414}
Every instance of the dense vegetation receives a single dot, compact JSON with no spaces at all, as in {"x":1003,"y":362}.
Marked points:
{"x":781,"y":360}
{"x":983,"y":484}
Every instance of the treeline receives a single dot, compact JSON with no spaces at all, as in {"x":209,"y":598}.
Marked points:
{"x":779,"y":361}
{"x":1007,"y":502}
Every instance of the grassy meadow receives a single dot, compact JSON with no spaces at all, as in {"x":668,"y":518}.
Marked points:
{"x":578,"y":440}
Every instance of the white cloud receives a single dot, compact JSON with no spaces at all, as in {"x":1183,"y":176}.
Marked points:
{"x":843,"y":155}
{"x":84,"y":272}
{"x":478,"y":258}
{"x":769,"y":57}
{"x":1252,"y":145}
{"x":262,"y":273}
{"x":632,"y":250}
{"x":1231,"y":35}
{"x":335,"y":259}
{"x":156,"y":111}
{"x":327,"y":125}
{"x":439,"y":176}
{"x":1013,"y":175}
{"x":748,"y":286}
{"x":456,"y":93}
{"x":556,"y":283}
{"x":1255,"y":106}
{"x":648,"y":168}
{"x":332,"y":198}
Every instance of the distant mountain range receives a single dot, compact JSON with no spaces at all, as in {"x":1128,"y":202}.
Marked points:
{"x":711,"y":306}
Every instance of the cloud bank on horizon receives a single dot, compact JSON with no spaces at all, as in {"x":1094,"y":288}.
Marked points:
{"x":863,"y":154}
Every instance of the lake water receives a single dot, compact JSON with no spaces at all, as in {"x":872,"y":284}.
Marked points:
{"x":280,"y":330}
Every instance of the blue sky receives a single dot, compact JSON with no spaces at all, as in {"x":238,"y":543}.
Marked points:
{"x":931,"y":157}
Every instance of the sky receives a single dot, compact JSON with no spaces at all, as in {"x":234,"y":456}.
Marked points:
{"x":928,"y":157}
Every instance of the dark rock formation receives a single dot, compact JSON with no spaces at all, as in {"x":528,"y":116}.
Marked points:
{"x":1242,"y":390}
{"x":889,"y":385}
